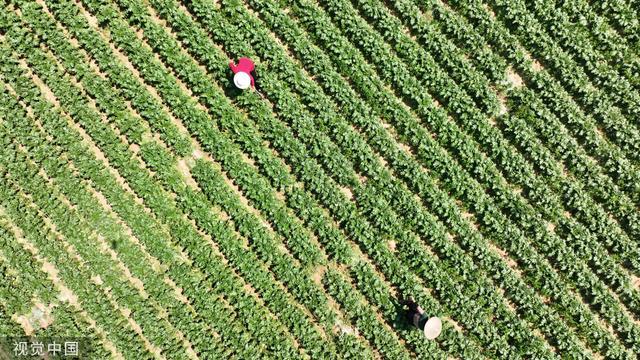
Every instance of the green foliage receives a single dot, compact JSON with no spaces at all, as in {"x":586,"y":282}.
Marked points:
{"x":374,"y":164}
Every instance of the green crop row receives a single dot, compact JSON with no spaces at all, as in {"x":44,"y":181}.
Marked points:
{"x":598,"y":95}
{"x":623,"y":15}
{"x":616,"y":49}
{"x":263,"y":79}
{"x":289,"y":111}
{"x":319,"y":153}
{"x":22,"y":280}
{"x":76,"y":277}
{"x":189,"y":289}
{"x":541,"y":194}
{"x":578,"y":124}
{"x":203,"y":83}
{"x":342,"y":52}
{"x":267,"y":252}
{"x":589,"y":54}
{"x":75,"y":192}
{"x":566,"y":149}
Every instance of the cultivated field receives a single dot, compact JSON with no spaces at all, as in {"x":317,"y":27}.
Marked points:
{"x":482,"y":157}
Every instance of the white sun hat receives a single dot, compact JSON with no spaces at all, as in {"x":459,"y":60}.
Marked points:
{"x":242,"y":80}
{"x":432,"y":328}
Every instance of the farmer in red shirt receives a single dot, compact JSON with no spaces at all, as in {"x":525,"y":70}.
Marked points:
{"x":242,"y":71}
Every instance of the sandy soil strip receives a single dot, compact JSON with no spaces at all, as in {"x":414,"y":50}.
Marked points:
{"x":341,"y":326}
{"x":536,"y":66}
{"x":175,"y":121}
{"x":65,"y":294}
{"x":49,"y":96}
{"x":134,"y":281}
{"x":93,"y":22}
{"x":39,"y":317}
{"x":363,"y":300}
{"x":635,"y":282}
{"x":185,"y":170}
{"x":503,"y":109}
{"x":505,"y":257}
{"x":245,"y":157}
{"x":514,"y":78}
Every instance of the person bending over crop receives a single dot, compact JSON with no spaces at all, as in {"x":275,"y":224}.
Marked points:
{"x":242,"y":71}
{"x":431,"y":327}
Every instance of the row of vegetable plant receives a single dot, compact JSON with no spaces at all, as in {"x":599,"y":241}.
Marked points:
{"x":525,"y":177}
{"x":144,"y":311}
{"x":579,"y":125}
{"x":591,"y":48}
{"x":587,"y":172}
{"x":26,"y":216}
{"x":602,"y":95}
{"x":23,"y":283}
{"x":189,"y":289}
{"x":623,"y":16}
{"x":263,"y":81}
{"x":333,"y":42}
{"x":100,"y":221}
{"x":267,"y":252}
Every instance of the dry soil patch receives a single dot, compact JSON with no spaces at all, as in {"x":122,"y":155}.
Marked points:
{"x":514,"y":78}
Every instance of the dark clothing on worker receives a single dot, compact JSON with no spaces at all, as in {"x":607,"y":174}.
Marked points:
{"x":419,"y":320}
{"x":416,"y":316}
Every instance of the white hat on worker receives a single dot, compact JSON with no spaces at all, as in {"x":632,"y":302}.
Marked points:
{"x":432,"y":328}
{"x":242,"y":80}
